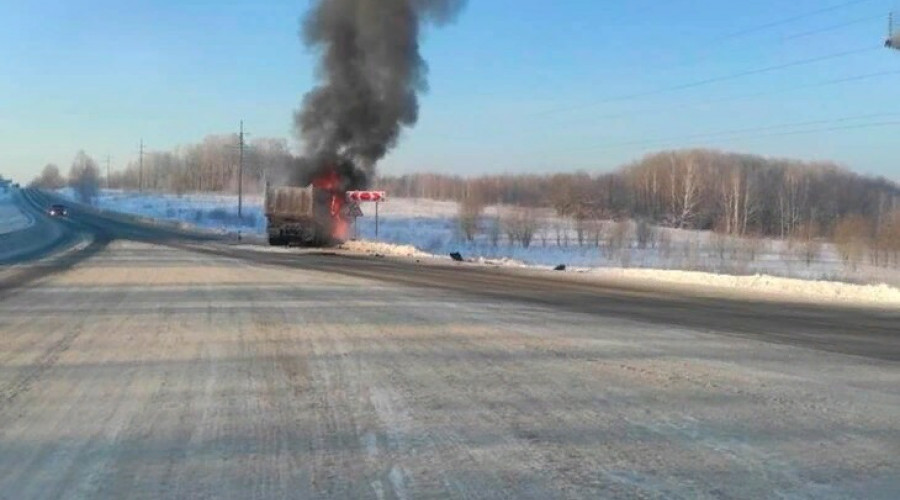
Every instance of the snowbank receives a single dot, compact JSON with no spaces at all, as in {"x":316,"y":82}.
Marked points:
{"x":760,"y":285}
{"x":380,"y":248}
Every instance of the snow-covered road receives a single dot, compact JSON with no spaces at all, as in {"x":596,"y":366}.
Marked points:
{"x":151,"y":372}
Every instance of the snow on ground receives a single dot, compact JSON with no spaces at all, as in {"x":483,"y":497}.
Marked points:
{"x":419,"y":228}
{"x":756,"y":286}
{"x":381,"y":248}
{"x":761,"y":285}
{"x":432,"y":227}
{"x":11,"y":217}
{"x":208,"y":211}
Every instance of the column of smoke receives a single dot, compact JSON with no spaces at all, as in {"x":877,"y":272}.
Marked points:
{"x":371,"y":73}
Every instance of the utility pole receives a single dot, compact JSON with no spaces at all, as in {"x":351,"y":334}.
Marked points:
{"x":241,"y":171}
{"x":893,"y":39}
{"x":889,"y":43}
{"x":141,"y":169}
{"x":107,"y":171}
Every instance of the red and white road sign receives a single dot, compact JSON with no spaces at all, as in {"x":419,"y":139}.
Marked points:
{"x":363,"y":196}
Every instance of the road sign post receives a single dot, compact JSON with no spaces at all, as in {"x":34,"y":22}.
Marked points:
{"x":355,"y":212}
{"x":368,"y":197}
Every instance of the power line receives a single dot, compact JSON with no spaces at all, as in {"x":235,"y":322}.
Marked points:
{"x":832,"y":27}
{"x":827,"y":129}
{"x":657,"y":110}
{"x":783,"y":39}
{"x":725,"y":38}
{"x":745,"y":97}
{"x":788,"y":20}
{"x":755,"y":71}
{"x":841,"y":128}
{"x":718,"y":79}
{"x":750,"y":30}
{"x":753,"y":130}
{"x":826,"y":83}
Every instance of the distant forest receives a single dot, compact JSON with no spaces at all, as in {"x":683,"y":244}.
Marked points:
{"x":742,"y":195}
{"x":693,"y":189}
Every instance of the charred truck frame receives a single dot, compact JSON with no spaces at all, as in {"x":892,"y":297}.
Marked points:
{"x":316,"y":215}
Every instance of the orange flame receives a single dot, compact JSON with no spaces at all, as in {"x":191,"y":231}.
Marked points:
{"x":330,"y":181}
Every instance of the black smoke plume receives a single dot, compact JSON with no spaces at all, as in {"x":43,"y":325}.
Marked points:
{"x":371,"y":73}
{"x":305,"y":170}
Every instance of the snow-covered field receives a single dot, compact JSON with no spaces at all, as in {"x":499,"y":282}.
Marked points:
{"x":208,"y":211}
{"x":11,"y":218}
{"x":753,"y":287}
{"x":418,"y":227}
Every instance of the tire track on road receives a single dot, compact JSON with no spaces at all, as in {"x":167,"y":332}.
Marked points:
{"x":19,"y":385}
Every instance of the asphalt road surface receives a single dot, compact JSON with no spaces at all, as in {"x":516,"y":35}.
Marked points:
{"x":41,"y":237}
{"x":152,"y":363}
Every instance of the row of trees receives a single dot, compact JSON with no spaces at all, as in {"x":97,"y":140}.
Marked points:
{"x":83,"y":178}
{"x":857,"y":240}
{"x":211,"y":165}
{"x":692,"y":189}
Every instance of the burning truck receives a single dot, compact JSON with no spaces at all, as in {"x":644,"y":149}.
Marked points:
{"x":314,"y":216}
{"x":370,"y":74}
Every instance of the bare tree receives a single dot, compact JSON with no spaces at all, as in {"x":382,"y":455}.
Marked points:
{"x":721,"y":244}
{"x":852,"y":236}
{"x":805,"y":241}
{"x":562,"y":235}
{"x":494,"y":231}
{"x":581,"y":224}
{"x":754,"y":245}
{"x":619,"y":237}
{"x":84,"y":177}
{"x":665,"y":244}
{"x":793,"y":195}
{"x":595,"y":230}
{"x":888,"y":241}
{"x":470,"y":210}
{"x":50,"y":178}
{"x":684,"y":188}
{"x":645,"y":234}
{"x":521,"y":226}
{"x":736,"y":198}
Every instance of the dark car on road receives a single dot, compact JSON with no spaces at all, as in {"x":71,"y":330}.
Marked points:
{"x":58,"y":211}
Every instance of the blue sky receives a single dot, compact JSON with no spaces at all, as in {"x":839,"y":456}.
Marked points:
{"x":516,"y":85}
